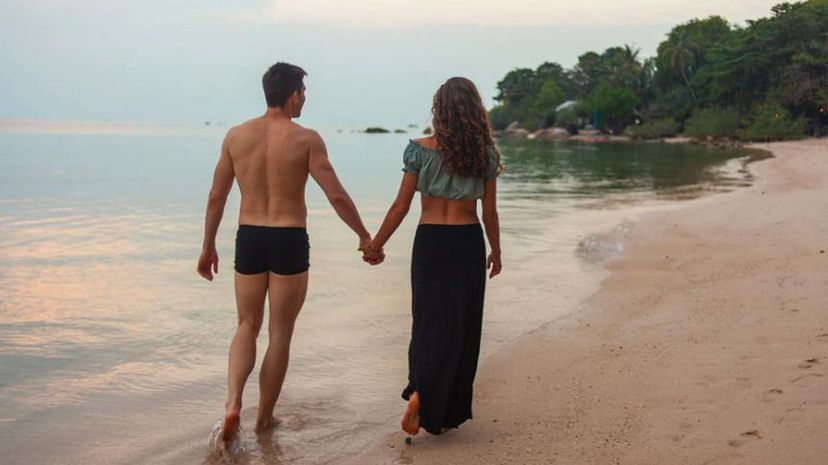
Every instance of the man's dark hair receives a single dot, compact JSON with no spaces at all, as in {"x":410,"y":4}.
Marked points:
{"x":280,"y":81}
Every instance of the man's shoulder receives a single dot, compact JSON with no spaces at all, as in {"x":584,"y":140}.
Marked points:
{"x":243,"y":127}
{"x":307,"y":136}
{"x":302,"y":131}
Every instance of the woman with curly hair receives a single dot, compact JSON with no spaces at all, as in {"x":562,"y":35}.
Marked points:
{"x":452,"y":169}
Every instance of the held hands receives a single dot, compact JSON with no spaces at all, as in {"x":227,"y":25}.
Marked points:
{"x":371,"y":254}
{"x":208,"y":263}
{"x":493,"y":264}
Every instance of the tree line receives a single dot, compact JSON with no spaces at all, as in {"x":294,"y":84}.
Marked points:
{"x":767,"y":79}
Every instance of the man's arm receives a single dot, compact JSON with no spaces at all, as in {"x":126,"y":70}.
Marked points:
{"x":323,"y":173}
{"x":222,"y":183}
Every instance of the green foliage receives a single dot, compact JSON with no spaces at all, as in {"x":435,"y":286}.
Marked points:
{"x":530,"y":96}
{"x":376,"y":130}
{"x":686,"y":50}
{"x":665,"y":127}
{"x":614,"y":106}
{"x":517,"y":86}
{"x":678,"y":104}
{"x":556,"y":73}
{"x":503,"y":115}
{"x":549,"y":97}
{"x":713,"y":122}
{"x":622,"y":68}
{"x":617,"y":65}
{"x":773,"y":122}
{"x":587,"y":73}
{"x":568,"y":118}
{"x":782,"y":58}
{"x":703,"y":63}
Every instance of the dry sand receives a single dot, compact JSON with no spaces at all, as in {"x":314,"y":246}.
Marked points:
{"x":708,"y":344}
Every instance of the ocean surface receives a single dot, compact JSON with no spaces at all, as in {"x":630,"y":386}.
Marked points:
{"x":114,"y":351}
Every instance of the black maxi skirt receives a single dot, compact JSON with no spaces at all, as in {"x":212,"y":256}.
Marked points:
{"x":448,"y":281}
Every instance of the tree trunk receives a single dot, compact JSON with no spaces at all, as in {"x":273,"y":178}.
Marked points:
{"x":687,"y":83}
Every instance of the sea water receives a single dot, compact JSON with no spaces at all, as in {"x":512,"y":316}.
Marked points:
{"x":114,"y":351}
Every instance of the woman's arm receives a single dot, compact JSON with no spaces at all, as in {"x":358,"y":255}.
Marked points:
{"x":492,"y":224}
{"x":397,"y":211}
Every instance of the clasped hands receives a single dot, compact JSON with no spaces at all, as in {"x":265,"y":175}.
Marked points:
{"x":371,"y":254}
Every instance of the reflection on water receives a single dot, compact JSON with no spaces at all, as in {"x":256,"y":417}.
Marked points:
{"x":578,"y":170}
{"x":113,"y":351}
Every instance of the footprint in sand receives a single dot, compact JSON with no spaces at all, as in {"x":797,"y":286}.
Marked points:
{"x":752,"y":433}
{"x":747,"y":434}
{"x":822,"y":337}
{"x":808,"y":363}
{"x":771,"y":394}
{"x":809,"y":375}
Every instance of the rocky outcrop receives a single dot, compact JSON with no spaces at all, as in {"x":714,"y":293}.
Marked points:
{"x":595,"y":136}
{"x":514,"y":130}
{"x":598,"y":138}
{"x":550,"y":134}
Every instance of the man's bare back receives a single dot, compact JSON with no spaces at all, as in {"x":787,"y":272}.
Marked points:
{"x":270,"y":161}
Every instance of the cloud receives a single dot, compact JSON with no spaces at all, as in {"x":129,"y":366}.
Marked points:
{"x":390,"y":14}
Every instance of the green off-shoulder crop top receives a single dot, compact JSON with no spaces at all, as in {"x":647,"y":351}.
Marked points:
{"x":434,"y":179}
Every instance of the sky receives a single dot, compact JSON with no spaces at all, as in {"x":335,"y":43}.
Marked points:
{"x":369,"y":62}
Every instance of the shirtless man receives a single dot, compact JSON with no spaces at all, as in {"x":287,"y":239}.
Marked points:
{"x":270,"y":158}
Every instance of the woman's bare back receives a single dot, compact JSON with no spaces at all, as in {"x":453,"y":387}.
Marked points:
{"x":438,"y":210}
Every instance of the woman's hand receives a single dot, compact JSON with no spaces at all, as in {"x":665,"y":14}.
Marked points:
{"x":371,"y":254}
{"x":493,"y":264}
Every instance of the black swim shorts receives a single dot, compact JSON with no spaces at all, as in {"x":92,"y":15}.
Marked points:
{"x":276,"y":249}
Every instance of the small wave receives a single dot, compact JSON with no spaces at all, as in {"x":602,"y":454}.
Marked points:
{"x":600,"y":247}
{"x":220,"y":449}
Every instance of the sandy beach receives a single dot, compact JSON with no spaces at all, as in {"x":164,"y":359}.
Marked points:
{"x":707,"y":343}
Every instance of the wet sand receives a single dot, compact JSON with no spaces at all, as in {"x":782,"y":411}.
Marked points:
{"x":707,"y":343}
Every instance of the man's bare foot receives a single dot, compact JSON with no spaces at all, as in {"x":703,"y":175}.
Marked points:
{"x":265,"y":424}
{"x":410,"y":422}
{"x":230,"y":427}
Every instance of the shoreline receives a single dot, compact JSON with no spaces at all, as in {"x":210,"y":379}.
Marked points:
{"x":703,"y":345}
{"x":593,"y":136}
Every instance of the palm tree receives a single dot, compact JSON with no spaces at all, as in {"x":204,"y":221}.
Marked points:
{"x":620,"y":66}
{"x":683,"y":57}
{"x":631,"y":53}
{"x":633,"y":68}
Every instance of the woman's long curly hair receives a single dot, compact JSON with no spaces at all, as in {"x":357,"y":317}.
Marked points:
{"x":462,"y":130}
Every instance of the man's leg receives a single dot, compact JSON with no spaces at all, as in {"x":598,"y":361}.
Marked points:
{"x":286,"y":294}
{"x":250,"y":295}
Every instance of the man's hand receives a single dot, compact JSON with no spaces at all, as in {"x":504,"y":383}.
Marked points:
{"x":208,"y":264}
{"x":370,"y":253}
{"x":493,"y":263}
{"x":373,"y":257}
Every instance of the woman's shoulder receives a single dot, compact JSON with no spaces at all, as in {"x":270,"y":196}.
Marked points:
{"x":428,"y":143}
